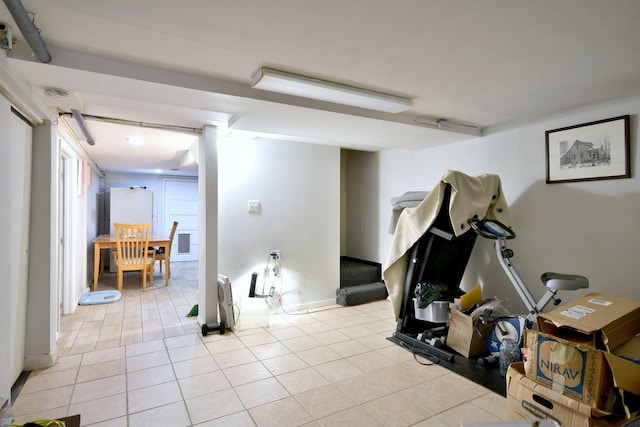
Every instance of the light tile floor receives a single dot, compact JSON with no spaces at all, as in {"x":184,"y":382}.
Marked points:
{"x":142,"y":362}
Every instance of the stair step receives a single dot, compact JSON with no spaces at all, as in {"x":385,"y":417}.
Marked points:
{"x":360,"y":294}
{"x":355,"y":272}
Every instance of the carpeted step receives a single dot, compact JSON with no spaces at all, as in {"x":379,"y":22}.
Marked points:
{"x":360,"y":294}
{"x":355,"y":272}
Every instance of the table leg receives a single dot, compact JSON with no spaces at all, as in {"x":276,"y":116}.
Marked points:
{"x":167,"y":275}
{"x":102,"y":262}
{"x":96,"y":265}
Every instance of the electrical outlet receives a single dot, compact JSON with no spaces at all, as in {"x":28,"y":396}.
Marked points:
{"x":253,"y":206}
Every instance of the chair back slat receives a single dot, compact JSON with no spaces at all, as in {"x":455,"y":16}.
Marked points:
{"x":132,"y":242}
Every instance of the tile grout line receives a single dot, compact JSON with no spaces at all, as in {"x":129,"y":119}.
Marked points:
{"x":168,"y":301}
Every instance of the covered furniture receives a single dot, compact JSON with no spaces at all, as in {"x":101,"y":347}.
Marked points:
{"x":455,"y":200}
{"x":133,"y":253}
{"x":163,"y":254}
{"x":431,"y":246}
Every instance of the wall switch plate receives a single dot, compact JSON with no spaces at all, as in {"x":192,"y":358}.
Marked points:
{"x":253,"y":206}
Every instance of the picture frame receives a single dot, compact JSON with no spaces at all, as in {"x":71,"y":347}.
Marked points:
{"x":588,"y":152}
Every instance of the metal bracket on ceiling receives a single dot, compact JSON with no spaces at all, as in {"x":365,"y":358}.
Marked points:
{"x":184,"y":129}
{"x":451,"y":126}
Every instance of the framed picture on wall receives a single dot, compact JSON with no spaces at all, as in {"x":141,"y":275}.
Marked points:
{"x":588,"y":152}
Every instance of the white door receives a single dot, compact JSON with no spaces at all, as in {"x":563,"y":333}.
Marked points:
{"x":20,"y":146}
{"x":181,"y":204}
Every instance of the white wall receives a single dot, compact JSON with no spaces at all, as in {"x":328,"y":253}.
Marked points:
{"x":153,"y":182}
{"x":588,"y":228}
{"x":92,"y":217}
{"x":5,"y":263}
{"x":78,"y":218}
{"x":363,"y":213}
{"x":20,"y":184}
{"x":15,"y":175}
{"x":298,"y":186}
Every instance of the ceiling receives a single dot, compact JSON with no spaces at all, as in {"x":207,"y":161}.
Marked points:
{"x":487,"y":64}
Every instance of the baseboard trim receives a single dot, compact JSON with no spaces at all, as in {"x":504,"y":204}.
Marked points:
{"x":41,"y":361}
{"x":296,"y":308}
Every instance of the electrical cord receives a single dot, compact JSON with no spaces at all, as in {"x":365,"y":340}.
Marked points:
{"x":271,"y":301}
{"x":434,"y":360}
{"x":236,"y":309}
{"x":276,"y":299}
{"x":430,"y":357}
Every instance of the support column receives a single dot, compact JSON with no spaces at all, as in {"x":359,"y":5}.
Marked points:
{"x":42,"y":291}
{"x":208,"y":223}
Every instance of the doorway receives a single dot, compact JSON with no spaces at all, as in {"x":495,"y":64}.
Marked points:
{"x":65,"y":290}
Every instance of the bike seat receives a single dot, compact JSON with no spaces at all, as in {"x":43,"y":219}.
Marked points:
{"x":564,"y":282}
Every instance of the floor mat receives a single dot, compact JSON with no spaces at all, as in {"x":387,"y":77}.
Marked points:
{"x":488,"y":377}
{"x":100,"y":297}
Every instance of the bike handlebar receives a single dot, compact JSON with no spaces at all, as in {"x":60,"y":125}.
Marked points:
{"x":491,"y":229}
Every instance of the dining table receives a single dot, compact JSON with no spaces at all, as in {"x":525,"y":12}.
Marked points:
{"x":108,"y":241}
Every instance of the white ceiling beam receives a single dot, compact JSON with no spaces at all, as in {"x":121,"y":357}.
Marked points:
{"x":113,"y":67}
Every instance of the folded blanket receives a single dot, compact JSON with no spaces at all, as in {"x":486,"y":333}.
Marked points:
{"x":470,"y":196}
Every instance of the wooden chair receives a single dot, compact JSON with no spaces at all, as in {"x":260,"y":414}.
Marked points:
{"x":133,"y":253}
{"x":164,"y":254}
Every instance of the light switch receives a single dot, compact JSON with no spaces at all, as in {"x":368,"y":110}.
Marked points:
{"x":253,"y":206}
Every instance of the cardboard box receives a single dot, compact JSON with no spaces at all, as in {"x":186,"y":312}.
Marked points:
{"x":575,"y":370}
{"x":630,"y":350}
{"x":603,"y":320}
{"x":610,"y":325}
{"x":466,"y":338}
{"x":528,"y":400}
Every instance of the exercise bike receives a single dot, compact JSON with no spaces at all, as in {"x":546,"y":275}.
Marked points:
{"x":513,"y":326}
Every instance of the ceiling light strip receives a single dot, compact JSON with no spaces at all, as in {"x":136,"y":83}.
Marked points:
{"x":308,"y":87}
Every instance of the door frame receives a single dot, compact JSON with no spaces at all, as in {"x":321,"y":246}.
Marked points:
{"x":66,"y":289}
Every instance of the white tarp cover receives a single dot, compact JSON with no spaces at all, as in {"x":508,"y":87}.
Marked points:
{"x":470,"y":196}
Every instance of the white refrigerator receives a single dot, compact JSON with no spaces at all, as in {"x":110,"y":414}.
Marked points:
{"x":133,"y":205}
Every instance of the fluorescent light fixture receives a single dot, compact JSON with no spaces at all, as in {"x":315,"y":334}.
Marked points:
{"x":308,"y":87}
